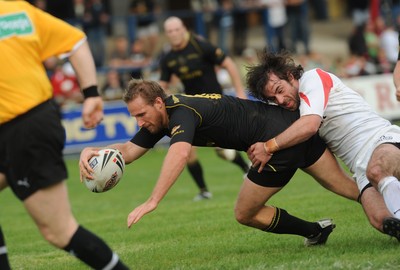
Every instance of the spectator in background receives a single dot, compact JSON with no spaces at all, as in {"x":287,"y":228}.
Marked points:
{"x":274,"y":21}
{"x":120,"y":58}
{"x":193,"y":59}
{"x":147,"y":28}
{"x":389,"y":43}
{"x":356,"y":64}
{"x":62,"y":9}
{"x":129,"y":59}
{"x":65,"y":85}
{"x":249,"y":58}
{"x":372,"y":41}
{"x":298,"y":24}
{"x":120,"y":51}
{"x":113,"y":89}
{"x":359,"y":10}
{"x":95,"y":22}
{"x":356,"y":41}
{"x":239,"y":26}
{"x":139,"y":60}
{"x":225,"y":21}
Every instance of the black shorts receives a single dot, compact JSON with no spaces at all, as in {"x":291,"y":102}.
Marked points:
{"x":287,"y":162}
{"x":31,"y":148}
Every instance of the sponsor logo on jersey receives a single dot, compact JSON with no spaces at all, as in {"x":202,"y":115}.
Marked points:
{"x":174,"y":129}
{"x":385,"y":138}
{"x":175,"y":99}
{"x":16,"y":24}
{"x":24,"y":182}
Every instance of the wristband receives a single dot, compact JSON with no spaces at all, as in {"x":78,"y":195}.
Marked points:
{"x":271,"y":146}
{"x":90,"y":91}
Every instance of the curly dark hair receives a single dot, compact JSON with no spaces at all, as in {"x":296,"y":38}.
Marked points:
{"x":148,"y":90}
{"x":281,"y":64}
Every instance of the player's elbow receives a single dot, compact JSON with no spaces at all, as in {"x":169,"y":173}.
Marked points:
{"x":311,"y":125}
{"x":312,"y":129}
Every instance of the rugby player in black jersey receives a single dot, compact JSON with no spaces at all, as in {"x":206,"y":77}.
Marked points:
{"x":227,"y":122}
{"x":193,"y":60}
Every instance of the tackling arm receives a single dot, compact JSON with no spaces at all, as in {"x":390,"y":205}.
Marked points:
{"x":300,"y":131}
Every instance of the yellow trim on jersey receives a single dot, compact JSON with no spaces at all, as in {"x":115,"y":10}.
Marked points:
{"x":272,"y":167}
{"x":186,"y":106}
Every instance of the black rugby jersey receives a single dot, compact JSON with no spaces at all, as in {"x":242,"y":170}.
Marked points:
{"x":195,"y":66}
{"x":232,"y":123}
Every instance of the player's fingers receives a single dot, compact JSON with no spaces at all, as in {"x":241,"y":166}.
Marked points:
{"x":255,"y":162}
{"x":129,"y":221}
{"x":251,"y":149}
{"x":133,"y":218}
{"x":96,"y":118}
{"x":248,"y":151}
{"x":86,"y":170}
{"x":261,"y":168}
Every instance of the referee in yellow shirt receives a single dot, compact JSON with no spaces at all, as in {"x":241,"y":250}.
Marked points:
{"x":31,"y":134}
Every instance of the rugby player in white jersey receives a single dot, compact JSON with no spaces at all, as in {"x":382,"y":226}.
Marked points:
{"x":367,"y":143}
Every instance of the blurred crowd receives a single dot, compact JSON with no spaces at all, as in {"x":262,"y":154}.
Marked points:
{"x":133,"y":48}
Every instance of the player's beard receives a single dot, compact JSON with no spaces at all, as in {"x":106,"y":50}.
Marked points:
{"x":156,"y":127}
{"x":294,"y":99}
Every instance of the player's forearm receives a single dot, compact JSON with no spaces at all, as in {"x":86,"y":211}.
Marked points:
{"x":173,"y":165}
{"x":298,"y":132}
{"x":130,"y":151}
{"x":83,"y":64}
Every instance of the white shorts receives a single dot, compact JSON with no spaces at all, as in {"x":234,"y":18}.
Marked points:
{"x":391,"y":134}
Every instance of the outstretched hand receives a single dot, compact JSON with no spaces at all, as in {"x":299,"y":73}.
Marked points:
{"x":140,"y":211}
{"x":258,"y":156}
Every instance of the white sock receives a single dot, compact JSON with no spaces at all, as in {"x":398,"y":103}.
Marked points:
{"x":389,"y":187}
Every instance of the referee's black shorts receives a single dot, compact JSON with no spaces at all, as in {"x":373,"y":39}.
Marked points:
{"x":31,"y":150}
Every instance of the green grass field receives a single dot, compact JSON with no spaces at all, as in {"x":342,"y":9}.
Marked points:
{"x":182,"y":234}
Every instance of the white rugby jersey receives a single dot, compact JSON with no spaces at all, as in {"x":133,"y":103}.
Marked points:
{"x":349,"y":124}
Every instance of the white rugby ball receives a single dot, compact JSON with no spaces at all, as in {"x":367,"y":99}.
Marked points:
{"x":108,"y":169}
{"x":227,"y":154}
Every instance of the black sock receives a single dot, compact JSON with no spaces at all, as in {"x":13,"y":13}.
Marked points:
{"x":196,"y":171}
{"x":283,"y":223}
{"x":93,"y":251}
{"x":239,"y":160}
{"x":4,"y":264}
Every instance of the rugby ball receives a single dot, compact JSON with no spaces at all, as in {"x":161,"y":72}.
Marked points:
{"x":108,"y":169}
{"x":227,"y":154}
